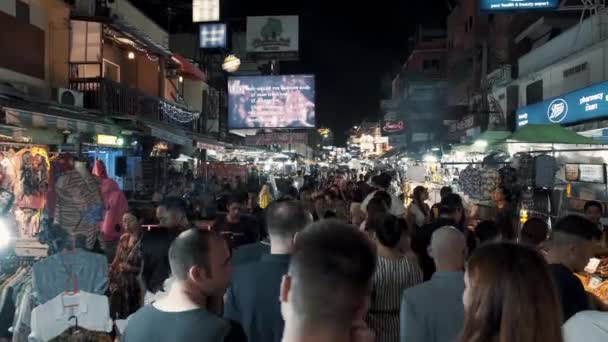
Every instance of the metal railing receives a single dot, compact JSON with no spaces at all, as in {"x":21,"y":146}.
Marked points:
{"x":113,"y":98}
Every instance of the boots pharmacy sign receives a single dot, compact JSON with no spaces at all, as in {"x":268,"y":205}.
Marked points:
{"x":581,"y":105}
{"x":272,"y":35}
{"x":517,"y":5}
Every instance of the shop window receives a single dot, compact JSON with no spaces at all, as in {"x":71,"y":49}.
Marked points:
{"x":22,"y":12}
{"x":111,"y":71}
{"x":85,"y":41}
{"x":534,"y":92}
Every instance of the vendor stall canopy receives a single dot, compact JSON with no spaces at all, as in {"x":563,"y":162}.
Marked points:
{"x":549,"y":134}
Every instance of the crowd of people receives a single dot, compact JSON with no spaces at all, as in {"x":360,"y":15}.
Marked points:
{"x":343,"y":258}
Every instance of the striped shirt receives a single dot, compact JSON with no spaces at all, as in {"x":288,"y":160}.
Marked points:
{"x":392,"y":277}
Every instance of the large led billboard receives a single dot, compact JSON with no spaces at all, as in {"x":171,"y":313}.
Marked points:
{"x":517,"y":5}
{"x":286,"y":101}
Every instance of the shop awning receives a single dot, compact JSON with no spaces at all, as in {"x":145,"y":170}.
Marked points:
{"x":548,"y":134}
{"x":51,"y":116}
{"x":209,"y":143}
{"x":187,"y":69}
{"x":168,"y":133}
{"x":493,"y":136}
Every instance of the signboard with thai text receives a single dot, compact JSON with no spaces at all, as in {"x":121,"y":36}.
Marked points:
{"x":577,"y":106}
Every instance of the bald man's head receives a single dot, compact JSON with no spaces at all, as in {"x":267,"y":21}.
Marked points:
{"x":448,"y":249}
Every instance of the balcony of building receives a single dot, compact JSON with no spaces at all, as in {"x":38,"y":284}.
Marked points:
{"x":116,"y":99}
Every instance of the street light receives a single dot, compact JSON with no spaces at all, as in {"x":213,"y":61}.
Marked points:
{"x":231,"y":63}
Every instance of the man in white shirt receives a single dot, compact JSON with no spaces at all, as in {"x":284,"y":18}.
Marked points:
{"x":383,"y":183}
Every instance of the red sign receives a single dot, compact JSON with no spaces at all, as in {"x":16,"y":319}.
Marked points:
{"x":392,"y":127}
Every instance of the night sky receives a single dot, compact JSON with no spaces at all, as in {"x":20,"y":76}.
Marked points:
{"x":353,"y":50}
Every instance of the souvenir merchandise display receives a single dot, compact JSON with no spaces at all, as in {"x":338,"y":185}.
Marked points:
{"x":79,"y":207}
{"x":57,"y":297}
{"x":545,"y":168}
{"x":508,"y":178}
{"x":524,"y":163}
{"x":490,"y":180}
{"x":23,"y":187}
{"x":469,"y":182}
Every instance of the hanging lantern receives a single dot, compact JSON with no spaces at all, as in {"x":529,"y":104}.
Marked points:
{"x":231,"y":63}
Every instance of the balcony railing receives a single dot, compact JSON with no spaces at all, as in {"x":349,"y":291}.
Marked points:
{"x":112,"y":98}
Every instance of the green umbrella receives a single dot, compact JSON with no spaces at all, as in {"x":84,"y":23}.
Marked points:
{"x":549,"y":134}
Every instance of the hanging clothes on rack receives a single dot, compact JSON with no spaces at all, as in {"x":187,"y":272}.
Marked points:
{"x":89,"y":269}
{"x":79,"y":207}
{"x":470,"y":182}
{"x":51,"y":319}
{"x":30,"y":188}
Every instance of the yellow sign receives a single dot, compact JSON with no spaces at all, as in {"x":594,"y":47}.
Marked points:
{"x":109,"y":140}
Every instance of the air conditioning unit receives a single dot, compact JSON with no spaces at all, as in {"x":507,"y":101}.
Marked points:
{"x":70,"y":97}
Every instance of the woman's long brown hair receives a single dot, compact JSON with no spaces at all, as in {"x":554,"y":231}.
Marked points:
{"x":512,"y":297}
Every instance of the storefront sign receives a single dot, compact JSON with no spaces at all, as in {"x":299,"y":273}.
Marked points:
{"x":277,"y":138}
{"x":588,"y":173}
{"x":463,"y":128}
{"x":390,"y":127}
{"x":161,"y":146}
{"x":109,"y":140}
{"x":517,"y":5}
{"x":580,"y":105}
{"x":276,"y":34}
{"x":205,"y":10}
{"x":213,"y":36}
{"x":209,"y":147}
{"x":464,"y":124}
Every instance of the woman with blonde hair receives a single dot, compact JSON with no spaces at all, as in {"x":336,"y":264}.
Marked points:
{"x":509,"y":296}
{"x":265,"y":197}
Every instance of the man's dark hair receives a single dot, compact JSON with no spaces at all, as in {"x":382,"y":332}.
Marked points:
{"x":390,"y":231}
{"x":450,"y":204}
{"x":383,"y":181}
{"x":446,"y":190}
{"x":331,"y":270}
{"x":384,"y":196}
{"x":534,"y":231}
{"x":590,"y":204}
{"x":578,"y":226}
{"x":239,"y":198}
{"x":155,"y":246}
{"x":487,"y":231}
{"x":174,"y":204}
{"x":190,"y":248}
{"x":286,"y":218}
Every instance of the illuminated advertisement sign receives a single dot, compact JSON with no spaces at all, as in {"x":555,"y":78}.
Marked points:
{"x":577,"y":106}
{"x":390,"y":127}
{"x":517,"y":5}
{"x":213,"y":36}
{"x":109,"y":140}
{"x":205,"y":11}
{"x":286,"y":101}
{"x":273,"y":34}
